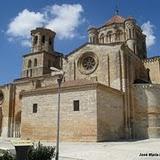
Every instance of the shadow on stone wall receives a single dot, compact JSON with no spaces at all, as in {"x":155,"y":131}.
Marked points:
{"x":140,"y":104}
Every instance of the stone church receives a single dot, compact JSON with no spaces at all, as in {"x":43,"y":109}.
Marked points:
{"x":110,"y":90}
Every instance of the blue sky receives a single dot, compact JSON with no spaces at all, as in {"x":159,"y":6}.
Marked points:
{"x":71,"y":18}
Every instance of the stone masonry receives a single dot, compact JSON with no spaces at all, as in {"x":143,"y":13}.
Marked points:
{"x":110,"y":90}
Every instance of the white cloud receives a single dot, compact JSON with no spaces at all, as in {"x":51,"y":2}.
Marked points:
{"x":21,"y":25}
{"x":148,"y":30}
{"x":63,"y":19}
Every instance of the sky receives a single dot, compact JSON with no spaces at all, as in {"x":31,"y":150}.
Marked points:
{"x":70,"y":19}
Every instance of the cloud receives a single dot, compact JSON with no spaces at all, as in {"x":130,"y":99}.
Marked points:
{"x":148,"y":30}
{"x":21,"y":25}
{"x":63,"y":19}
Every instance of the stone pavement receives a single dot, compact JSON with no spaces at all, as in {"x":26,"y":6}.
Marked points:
{"x":130,"y":150}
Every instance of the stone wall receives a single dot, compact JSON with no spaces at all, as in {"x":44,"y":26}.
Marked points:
{"x":147,"y":110}
{"x":110,"y":117}
{"x":114,"y":63}
{"x":36,"y":70}
{"x":153,"y":64}
{"x":74,"y":125}
{"x":6,"y":107}
{"x":108,"y":68}
{"x":17,"y":108}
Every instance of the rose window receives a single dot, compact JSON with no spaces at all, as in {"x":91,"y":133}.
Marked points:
{"x":88,"y":63}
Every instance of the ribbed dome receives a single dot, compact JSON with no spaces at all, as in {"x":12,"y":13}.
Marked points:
{"x":116,"y":19}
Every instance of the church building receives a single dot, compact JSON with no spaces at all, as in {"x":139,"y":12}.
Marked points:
{"x":110,"y":90}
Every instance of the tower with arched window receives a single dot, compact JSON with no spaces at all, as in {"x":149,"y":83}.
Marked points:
{"x":42,"y":56}
{"x":119,"y":30}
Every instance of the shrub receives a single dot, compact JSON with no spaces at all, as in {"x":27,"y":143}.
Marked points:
{"x":5,"y":155}
{"x":41,"y":153}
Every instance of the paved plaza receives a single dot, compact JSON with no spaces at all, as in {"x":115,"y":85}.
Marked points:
{"x":132,"y":150}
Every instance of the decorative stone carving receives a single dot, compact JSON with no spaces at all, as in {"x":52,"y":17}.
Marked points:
{"x":87,"y":63}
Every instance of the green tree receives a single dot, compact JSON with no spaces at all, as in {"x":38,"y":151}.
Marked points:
{"x":5,"y":155}
{"x":41,"y":153}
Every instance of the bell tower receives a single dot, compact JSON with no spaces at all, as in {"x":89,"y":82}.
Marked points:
{"x":42,"y":56}
{"x":42,"y":40}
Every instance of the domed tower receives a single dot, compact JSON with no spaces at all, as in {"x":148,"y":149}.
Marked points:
{"x":130,"y":25}
{"x":42,"y":40}
{"x":93,"y":35}
{"x":38,"y":62}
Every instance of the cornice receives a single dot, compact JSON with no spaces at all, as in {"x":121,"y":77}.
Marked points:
{"x":152,"y":59}
{"x":70,"y":87}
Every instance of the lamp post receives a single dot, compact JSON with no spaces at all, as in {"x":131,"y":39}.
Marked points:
{"x":60,"y":75}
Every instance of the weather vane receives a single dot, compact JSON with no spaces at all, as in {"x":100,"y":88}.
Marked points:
{"x":117,"y":8}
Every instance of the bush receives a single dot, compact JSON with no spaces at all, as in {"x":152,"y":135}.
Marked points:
{"x":5,"y":155}
{"x":41,"y":153}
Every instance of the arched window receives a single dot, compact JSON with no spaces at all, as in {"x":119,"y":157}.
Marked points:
{"x":43,"y":39}
{"x":35,"y":39}
{"x":29,"y":63}
{"x":109,"y":36}
{"x":101,"y":38}
{"x":50,"y":41}
{"x":119,"y":35}
{"x":27,"y":74}
{"x":133,"y":33}
{"x":30,"y":72}
{"x":130,"y":34}
{"x":94,"y":40}
{"x":35,"y":62}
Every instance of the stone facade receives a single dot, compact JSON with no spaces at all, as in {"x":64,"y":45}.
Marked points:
{"x":110,"y":90}
{"x":88,"y":124}
{"x":147,"y":110}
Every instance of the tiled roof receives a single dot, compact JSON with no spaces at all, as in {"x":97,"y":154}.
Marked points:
{"x":116,"y":19}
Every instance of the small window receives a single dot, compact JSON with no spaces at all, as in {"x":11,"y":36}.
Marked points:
{"x":35,"y":108}
{"x":50,"y":41}
{"x":29,"y":64}
{"x":35,"y":39}
{"x":30,"y":72}
{"x":27,"y":73}
{"x":76,"y":105}
{"x":102,"y":38}
{"x":35,"y":62}
{"x":43,"y":39}
{"x":130,"y":33}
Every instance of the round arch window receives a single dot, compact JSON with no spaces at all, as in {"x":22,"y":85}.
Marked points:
{"x":1,"y":97}
{"x":87,"y":63}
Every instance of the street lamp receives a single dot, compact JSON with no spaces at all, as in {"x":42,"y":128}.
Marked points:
{"x":60,"y":75}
